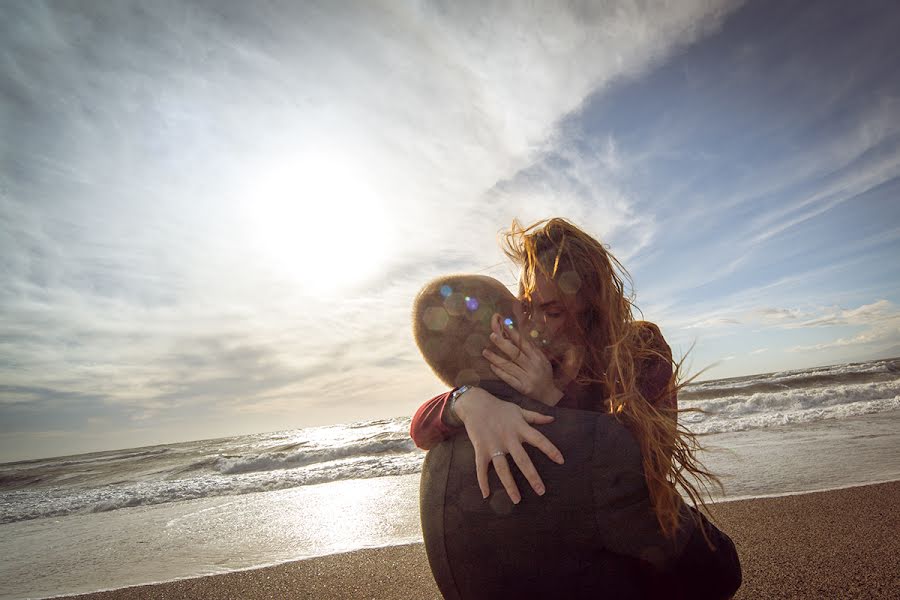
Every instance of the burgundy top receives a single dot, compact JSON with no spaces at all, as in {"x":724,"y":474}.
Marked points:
{"x":653,"y":377}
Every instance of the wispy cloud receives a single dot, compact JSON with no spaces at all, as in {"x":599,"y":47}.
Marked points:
{"x":793,"y":318}
{"x":780,"y":135}
{"x":165,"y":198}
{"x":858,"y":180}
{"x":133,"y":164}
{"x":778,"y":315}
{"x":713,"y":322}
{"x":886,"y":335}
{"x":866,"y":314}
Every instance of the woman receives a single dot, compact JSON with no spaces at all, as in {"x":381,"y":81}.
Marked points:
{"x":594,"y":356}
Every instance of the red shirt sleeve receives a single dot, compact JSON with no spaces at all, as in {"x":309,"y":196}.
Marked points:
{"x":427,"y":428}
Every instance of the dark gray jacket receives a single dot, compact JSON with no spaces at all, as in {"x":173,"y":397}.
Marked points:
{"x":593,"y":534}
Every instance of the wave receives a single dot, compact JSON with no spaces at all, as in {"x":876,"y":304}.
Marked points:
{"x":16,"y":480}
{"x":23,"y":505}
{"x":107,"y":457}
{"x":101,"y":482}
{"x":767,"y":409}
{"x":281,"y":460}
{"x":837,"y":375}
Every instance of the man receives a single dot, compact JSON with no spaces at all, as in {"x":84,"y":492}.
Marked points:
{"x":592,"y":534}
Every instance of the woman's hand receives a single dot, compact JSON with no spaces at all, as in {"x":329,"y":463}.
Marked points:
{"x":497,"y":428}
{"x":527,"y":370}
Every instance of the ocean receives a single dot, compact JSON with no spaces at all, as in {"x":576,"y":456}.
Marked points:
{"x":127,"y":517}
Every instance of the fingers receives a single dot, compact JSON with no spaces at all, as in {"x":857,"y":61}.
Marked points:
{"x":502,"y":428}
{"x":506,"y":478}
{"x":527,"y":467}
{"x":519,"y":350}
{"x":507,"y":339}
{"x":515,"y":383}
{"x":507,"y":347}
{"x":504,"y":365}
{"x":521,"y":343}
{"x":497,"y":324}
{"x":508,"y":371}
{"x":536,"y":439}
{"x":481,"y":472}
{"x":512,"y":335}
{"x":536,"y":417}
{"x":523,"y":461}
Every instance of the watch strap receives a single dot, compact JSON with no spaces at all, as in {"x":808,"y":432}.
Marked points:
{"x":453,"y":419}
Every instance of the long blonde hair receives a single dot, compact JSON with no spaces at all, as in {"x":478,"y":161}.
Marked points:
{"x":613,"y":345}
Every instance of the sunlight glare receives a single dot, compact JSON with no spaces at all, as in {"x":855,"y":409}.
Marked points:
{"x":319,"y":222}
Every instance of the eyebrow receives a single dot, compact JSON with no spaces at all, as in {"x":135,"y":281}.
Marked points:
{"x":550,"y":304}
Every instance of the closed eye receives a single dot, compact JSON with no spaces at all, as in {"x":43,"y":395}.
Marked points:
{"x":552,"y":310}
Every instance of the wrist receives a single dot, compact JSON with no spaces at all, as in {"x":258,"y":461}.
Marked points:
{"x":451,"y":415}
{"x":552,"y":396}
{"x":462,"y":407}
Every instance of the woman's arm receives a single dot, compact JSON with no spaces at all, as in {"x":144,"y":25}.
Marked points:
{"x":496,"y":429}
{"x":428,"y":427}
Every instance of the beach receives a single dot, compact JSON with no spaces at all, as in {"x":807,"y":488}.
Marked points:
{"x":333,"y":511}
{"x":835,"y":544}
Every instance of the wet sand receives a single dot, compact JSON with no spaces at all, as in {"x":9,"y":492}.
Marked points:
{"x":835,"y":544}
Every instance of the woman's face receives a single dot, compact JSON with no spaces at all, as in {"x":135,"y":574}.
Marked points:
{"x":551,"y":315}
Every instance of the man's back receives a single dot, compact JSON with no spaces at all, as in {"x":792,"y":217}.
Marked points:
{"x":585,"y":537}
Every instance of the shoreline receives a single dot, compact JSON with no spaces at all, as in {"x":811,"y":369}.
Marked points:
{"x":727,"y":500}
{"x":833,"y":543}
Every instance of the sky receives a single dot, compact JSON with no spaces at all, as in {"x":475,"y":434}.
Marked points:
{"x":214,"y":216}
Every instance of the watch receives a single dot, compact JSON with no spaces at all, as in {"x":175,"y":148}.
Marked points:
{"x":454,"y":419}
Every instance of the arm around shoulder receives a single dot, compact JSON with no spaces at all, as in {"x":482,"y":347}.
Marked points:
{"x":428,"y":428}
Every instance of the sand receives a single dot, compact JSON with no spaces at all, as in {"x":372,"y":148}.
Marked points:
{"x":836,"y":544}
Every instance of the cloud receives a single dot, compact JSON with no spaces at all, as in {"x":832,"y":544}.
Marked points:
{"x":778,"y":315}
{"x":810,"y":317}
{"x":880,"y":321}
{"x":580,"y":180}
{"x":132,"y":161}
{"x":885,"y":335}
{"x":866,"y":314}
{"x":794,"y":318}
{"x":746,"y":158}
{"x":876,"y":319}
{"x":712,"y":322}
{"x":859,"y":178}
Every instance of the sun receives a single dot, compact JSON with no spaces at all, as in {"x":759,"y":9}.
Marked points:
{"x":317,"y":221}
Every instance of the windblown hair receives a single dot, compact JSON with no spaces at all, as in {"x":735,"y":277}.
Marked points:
{"x":614,"y":347}
{"x":452,"y":322}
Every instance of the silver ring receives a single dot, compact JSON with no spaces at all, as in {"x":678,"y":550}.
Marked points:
{"x":498,"y":453}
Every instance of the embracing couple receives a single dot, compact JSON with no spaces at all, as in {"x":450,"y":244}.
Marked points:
{"x":554,"y":462}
